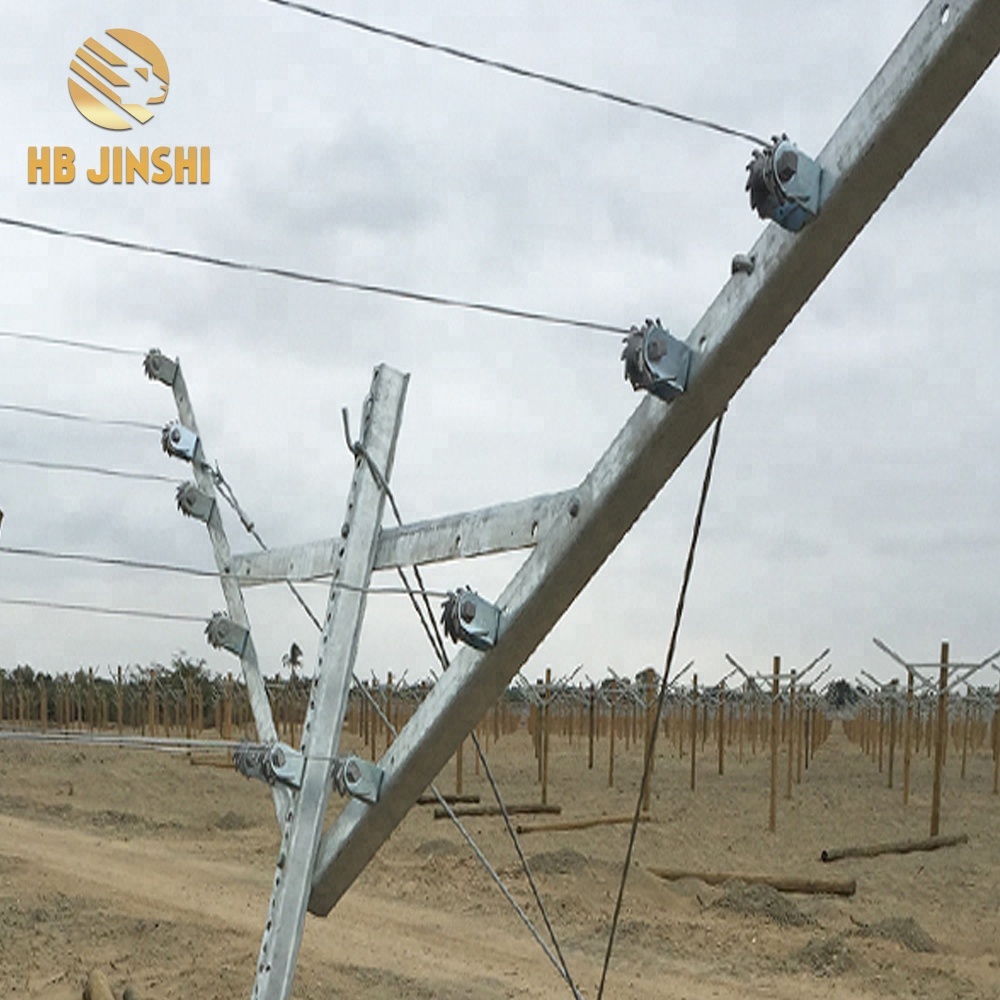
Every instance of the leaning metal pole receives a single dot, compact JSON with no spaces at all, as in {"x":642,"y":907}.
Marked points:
{"x":302,"y":826}
{"x":932,"y":69}
{"x":235,"y":606}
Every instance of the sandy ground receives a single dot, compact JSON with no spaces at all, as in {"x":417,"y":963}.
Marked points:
{"x":158,"y":872}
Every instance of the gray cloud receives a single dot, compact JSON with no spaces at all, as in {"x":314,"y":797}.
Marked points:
{"x":854,"y":495}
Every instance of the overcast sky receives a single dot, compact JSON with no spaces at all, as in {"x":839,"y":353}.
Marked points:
{"x":856,"y":488}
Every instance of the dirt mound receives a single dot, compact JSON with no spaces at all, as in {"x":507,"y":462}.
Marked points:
{"x":436,"y":848}
{"x":903,"y":930}
{"x":117,"y":818}
{"x":232,"y":821}
{"x":761,"y":901}
{"x":565,"y":861}
{"x":827,"y":956}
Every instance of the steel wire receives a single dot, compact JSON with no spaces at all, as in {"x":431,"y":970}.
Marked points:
{"x":437,"y":644}
{"x":521,"y":71}
{"x":664,"y":684}
{"x":291,"y":274}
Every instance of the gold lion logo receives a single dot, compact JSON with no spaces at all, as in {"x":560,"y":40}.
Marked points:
{"x":95,"y":80}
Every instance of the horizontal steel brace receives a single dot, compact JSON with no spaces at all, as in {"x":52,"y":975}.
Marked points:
{"x":926,"y":77}
{"x":507,"y":526}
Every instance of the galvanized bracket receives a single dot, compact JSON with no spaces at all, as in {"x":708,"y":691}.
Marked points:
{"x":784,"y":184}
{"x":471,"y":619}
{"x":223,"y":633}
{"x":278,"y":763}
{"x":361,"y":779}
{"x":159,"y":367}
{"x":656,"y":361}
{"x":192,"y":502}
{"x":179,"y":441}
{"x":270,"y":762}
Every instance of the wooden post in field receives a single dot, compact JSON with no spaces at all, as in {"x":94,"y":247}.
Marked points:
{"x":227,"y":708}
{"x":881,"y":732}
{"x":611,"y":735}
{"x":590,"y":729}
{"x":388,"y":712}
{"x":808,"y":731}
{"x":152,"y":701}
{"x":772,"y":823}
{"x":650,"y":714}
{"x":801,"y":715}
{"x":545,"y":735}
{"x":791,"y":736}
{"x":722,"y":727}
{"x":119,"y":700}
{"x":947,"y":727}
{"x":965,"y":735}
{"x":535,"y":721}
{"x":907,"y":732}
{"x":892,"y":733}
{"x":365,"y":714}
{"x":43,"y":705}
{"x":942,"y":737}
{"x":694,"y":727}
{"x":742,"y":720}
{"x":996,"y":746}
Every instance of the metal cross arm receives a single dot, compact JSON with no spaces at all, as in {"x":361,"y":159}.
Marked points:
{"x":813,"y":664}
{"x":517,"y":525}
{"x":808,"y":685}
{"x":737,"y":666}
{"x":959,"y":672}
{"x":674,"y":680}
{"x":794,"y":676}
{"x":921,"y":84}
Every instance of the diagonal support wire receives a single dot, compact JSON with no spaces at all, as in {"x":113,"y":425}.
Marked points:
{"x":437,"y":644}
{"x":664,"y":684}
